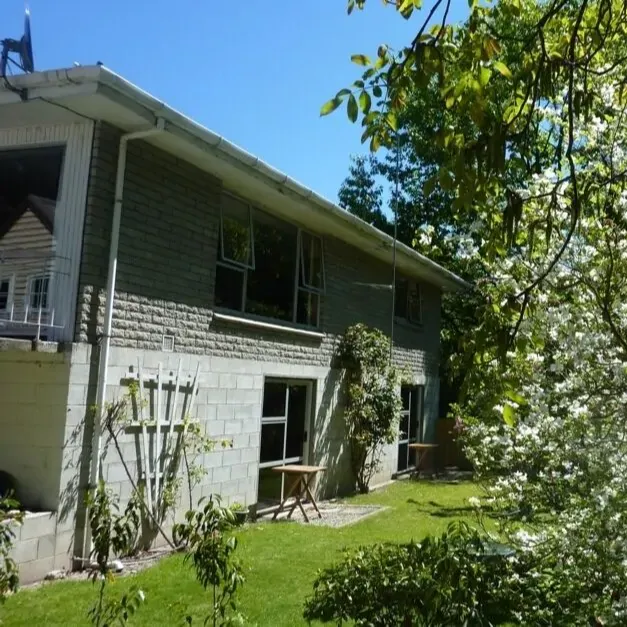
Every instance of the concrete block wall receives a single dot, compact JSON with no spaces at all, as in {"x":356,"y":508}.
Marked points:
{"x":40,"y":546}
{"x":33,"y":395}
{"x":166,"y":271}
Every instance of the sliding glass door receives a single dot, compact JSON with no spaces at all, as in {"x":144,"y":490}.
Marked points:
{"x":410,"y":428}
{"x":284,"y":434}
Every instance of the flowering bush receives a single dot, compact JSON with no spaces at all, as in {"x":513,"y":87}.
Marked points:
{"x":545,"y":427}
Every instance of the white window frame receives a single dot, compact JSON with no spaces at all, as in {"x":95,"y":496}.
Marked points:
{"x":300,"y":285}
{"x":299,"y":276}
{"x":269,"y":420}
{"x":11,"y":294}
{"x":412,"y":285}
{"x":76,"y":139}
{"x":29,"y":293}
{"x":231,"y":263}
{"x":416,"y":399}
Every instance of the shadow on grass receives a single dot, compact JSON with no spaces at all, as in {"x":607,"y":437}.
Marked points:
{"x":437,"y":510}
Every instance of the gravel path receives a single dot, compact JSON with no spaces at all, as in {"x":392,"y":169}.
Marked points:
{"x":334,"y":514}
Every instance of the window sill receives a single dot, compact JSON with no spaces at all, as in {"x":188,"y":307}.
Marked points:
{"x":269,"y":326}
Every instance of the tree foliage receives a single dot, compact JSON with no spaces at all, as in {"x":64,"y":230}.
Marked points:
{"x":536,"y":175}
{"x":372,"y":400}
{"x":10,"y":516}
{"x":204,"y":534}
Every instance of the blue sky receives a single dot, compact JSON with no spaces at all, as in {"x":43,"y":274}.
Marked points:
{"x":255,"y":71}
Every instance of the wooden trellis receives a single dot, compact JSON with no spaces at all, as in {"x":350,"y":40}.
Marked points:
{"x":161,"y":421}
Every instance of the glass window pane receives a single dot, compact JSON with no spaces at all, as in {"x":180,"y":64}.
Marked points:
{"x":297,"y":412}
{"x":274,"y":399}
{"x":311,"y":261}
{"x":402,"y":457}
{"x":270,"y":287}
{"x":405,"y":396}
{"x":38,"y":296}
{"x":307,"y":308}
{"x":412,"y":458}
{"x":414,"y":416}
{"x":400,"y":299}
{"x":5,"y":286}
{"x":414,"y":313}
{"x":229,"y":287}
{"x":236,"y":235}
{"x":272,"y":436}
{"x":269,"y":489}
{"x":403,"y":430}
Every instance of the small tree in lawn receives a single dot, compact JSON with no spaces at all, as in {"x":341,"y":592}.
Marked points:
{"x":10,"y":515}
{"x":372,"y":401}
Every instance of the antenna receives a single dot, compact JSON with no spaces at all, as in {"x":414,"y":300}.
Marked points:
{"x":22,"y":47}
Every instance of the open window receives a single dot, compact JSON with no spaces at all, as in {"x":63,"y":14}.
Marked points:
{"x":267,"y":267}
{"x":408,"y":301}
{"x":310,"y":279}
{"x":236,"y":252}
{"x":236,"y":233}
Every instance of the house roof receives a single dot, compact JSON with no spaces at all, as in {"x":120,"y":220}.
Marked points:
{"x":98,"y":93}
{"x":42,"y":208}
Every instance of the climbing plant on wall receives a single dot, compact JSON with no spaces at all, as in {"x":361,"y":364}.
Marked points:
{"x":372,"y":401}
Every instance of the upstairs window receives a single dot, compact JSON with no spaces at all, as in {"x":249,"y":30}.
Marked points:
{"x":310,"y":279}
{"x":267,"y":267}
{"x":38,"y":293}
{"x":236,"y":237}
{"x":408,"y":301}
{"x":6,"y":294}
{"x":270,"y":286}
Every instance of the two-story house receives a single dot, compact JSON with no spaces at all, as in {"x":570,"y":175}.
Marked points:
{"x":134,"y":243}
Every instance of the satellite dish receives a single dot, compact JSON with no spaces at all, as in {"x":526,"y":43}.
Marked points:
{"x":22,"y":47}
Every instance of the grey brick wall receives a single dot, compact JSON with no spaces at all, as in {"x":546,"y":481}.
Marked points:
{"x":166,"y":271}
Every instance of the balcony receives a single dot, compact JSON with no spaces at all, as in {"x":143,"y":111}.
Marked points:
{"x":29,"y":294}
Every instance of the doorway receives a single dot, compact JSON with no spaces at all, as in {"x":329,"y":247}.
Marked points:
{"x":410,"y":428}
{"x":285,"y":426}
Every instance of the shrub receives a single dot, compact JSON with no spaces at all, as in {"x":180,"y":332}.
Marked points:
{"x":372,"y":406}
{"x":454,"y":579}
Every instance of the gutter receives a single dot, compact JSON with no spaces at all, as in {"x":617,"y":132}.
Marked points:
{"x":105,"y":343}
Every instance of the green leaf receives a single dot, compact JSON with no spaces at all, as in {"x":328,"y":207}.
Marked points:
{"x":377,"y":92}
{"x":509,"y":415}
{"x":510,"y":113}
{"x":365,"y":102}
{"x":514,"y":396}
{"x":499,"y":66}
{"x":330,"y":106}
{"x":392,"y":120}
{"x":361,"y":59}
{"x":352,"y":109}
{"x":484,"y":76}
{"x":429,"y":185}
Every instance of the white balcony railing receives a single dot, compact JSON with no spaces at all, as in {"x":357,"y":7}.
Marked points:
{"x":29,"y":281}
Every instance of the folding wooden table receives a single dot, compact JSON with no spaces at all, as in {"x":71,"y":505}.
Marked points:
{"x":421,"y":448}
{"x":303,"y":476}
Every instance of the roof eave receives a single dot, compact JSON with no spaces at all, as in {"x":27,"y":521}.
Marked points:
{"x":88,"y":78}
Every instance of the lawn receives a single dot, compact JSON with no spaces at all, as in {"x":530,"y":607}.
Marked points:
{"x":280,"y":560}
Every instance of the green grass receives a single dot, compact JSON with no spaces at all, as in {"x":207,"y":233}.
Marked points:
{"x":280,"y":560}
